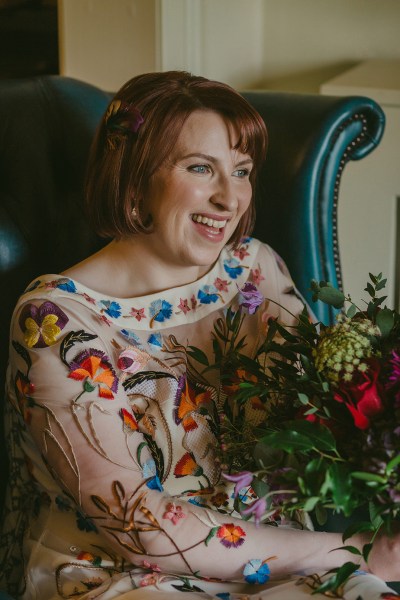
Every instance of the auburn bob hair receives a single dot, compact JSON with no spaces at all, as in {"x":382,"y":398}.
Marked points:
{"x":140,"y":130}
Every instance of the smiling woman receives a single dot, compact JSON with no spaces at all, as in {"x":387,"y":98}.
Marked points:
{"x":116,"y":414}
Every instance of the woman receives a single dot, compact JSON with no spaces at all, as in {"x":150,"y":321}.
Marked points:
{"x":114,"y":425}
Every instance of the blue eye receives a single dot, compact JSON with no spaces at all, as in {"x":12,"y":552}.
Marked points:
{"x":201,"y":169}
{"x":242,"y":173}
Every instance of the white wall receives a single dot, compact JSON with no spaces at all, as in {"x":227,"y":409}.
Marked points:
{"x":277,"y":44}
{"x":106,"y":42}
{"x":306,"y":42}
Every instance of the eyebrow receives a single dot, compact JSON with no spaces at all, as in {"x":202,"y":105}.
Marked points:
{"x":213,"y":158}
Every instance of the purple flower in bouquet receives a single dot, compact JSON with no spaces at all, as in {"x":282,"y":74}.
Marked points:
{"x":394,"y":376}
{"x":241,"y":480}
{"x":250,"y":298}
{"x":257,"y":509}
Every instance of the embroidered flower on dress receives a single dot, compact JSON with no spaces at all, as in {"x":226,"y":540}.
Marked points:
{"x":221,"y":284}
{"x":187,"y":466}
{"x":256,"y":571}
{"x":149,"y":471}
{"x":174,"y":513}
{"x":160,"y":311}
{"x":183,"y":306}
{"x":220,"y":499}
{"x":137,"y":313}
{"x":131,"y":337}
{"x":208,"y":294}
{"x":42,"y":325}
{"x":193,"y":302}
{"x":256,"y":276}
{"x":67,"y":285}
{"x":241,"y":252}
{"x":23,"y":391}
{"x":94,"y":368}
{"x":130,"y":423}
{"x":148,"y":579}
{"x":111,"y":308}
{"x":233,"y":268}
{"x":231,"y":535}
{"x":155,"y":341}
{"x":151,"y":566}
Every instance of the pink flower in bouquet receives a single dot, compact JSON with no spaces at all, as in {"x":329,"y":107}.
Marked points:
{"x":364,"y":395}
{"x":250,"y":298}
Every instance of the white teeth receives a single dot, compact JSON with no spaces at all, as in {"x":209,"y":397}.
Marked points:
{"x":209,"y":222}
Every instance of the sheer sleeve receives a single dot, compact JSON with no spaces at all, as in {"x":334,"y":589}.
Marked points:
{"x":93,"y":443}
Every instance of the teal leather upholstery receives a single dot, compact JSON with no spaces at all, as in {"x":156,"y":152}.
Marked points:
{"x":46,"y":126}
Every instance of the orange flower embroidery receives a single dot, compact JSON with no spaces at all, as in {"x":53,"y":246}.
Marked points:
{"x":94,"y":368}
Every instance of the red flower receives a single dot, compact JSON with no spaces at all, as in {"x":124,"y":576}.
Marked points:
{"x":364,"y":395}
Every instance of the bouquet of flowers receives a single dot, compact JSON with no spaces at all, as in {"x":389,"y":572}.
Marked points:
{"x":330,"y":438}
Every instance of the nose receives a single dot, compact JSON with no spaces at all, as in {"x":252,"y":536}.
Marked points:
{"x":223,"y":194}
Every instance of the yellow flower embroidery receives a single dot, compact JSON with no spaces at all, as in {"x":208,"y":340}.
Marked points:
{"x":48,"y":329}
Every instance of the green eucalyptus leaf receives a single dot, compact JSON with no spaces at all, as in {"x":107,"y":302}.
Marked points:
{"x":260,"y":487}
{"x":351,"y":311}
{"x":385,"y":321}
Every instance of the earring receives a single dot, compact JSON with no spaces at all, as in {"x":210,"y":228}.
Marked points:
{"x":134,"y":214}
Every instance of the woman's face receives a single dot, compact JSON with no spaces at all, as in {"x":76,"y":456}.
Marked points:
{"x":197,"y":197}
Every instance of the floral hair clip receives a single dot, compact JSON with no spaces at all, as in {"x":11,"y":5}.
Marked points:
{"x":121,"y":119}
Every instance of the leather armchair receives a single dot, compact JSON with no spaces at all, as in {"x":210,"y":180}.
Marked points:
{"x":46,"y":126}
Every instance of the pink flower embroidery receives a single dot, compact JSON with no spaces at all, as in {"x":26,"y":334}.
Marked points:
{"x":174,"y":513}
{"x":149,"y":579}
{"x":221,"y":284}
{"x":183,"y":305}
{"x":241,"y":252}
{"x":104,"y":319}
{"x":151,"y":566}
{"x":138,"y":313}
{"x":193,"y":301}
{"x":256,"y":276}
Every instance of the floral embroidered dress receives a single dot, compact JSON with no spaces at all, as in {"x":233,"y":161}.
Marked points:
{"x":113,"y":431}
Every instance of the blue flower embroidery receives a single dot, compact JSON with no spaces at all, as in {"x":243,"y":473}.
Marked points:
{"x":246,"y":240}
{"x":233,"y":268}
{"x":155,"y":340}
{"x":112,"y":309}
{"x":131,"y":337}
{"x":224,"y":595}
{"x":256,"y":571}
{"x":208,"y":294}
{"x":149,"y":470}
{"x":67,"y":286}
{"x":160,"y":310}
